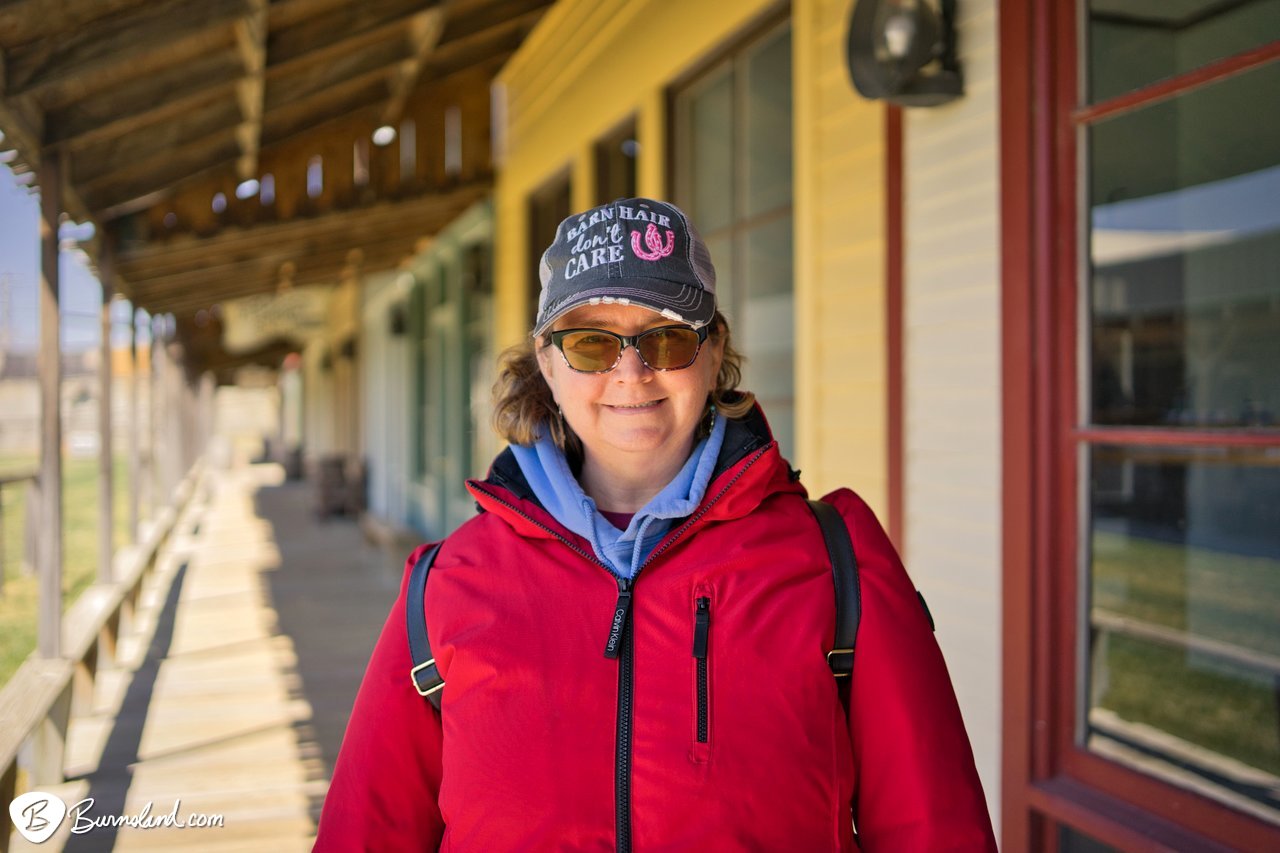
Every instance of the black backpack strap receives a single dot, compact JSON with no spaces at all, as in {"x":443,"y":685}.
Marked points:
{"x":425,"y":675}
{"x":844,"y":571}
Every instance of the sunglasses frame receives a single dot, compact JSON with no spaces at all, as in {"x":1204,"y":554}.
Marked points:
{"x":557,"y":338}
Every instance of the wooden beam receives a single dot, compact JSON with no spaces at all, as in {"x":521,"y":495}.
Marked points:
{"x":496,"y":43}
{"x":132,"y":261}
{"x":346,"y":99}
{"x":303,"y":255}
{"x":251,"y":40}
{"x":49,"y":631}
{"x":487,"y":16}
{"x":157,"y":35}
{"x":24,"y":21}
{"x":288,"y":13}
{"x":135,"y":426}
{"x":345,"y":28}
{"x":348,"y":71}
{"x":23,"y":126}
{"x":164,"y":97}
{"x":424,"y":33}
{"x":146,"y":176}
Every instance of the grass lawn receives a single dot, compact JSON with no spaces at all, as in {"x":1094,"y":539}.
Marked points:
{"x":18,"y":600}
{"x":1227,"y":708}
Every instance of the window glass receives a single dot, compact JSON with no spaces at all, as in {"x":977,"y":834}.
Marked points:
{"x":768,"y":125}
{"x":1184,"y":616}
{"x":1181,"y":538}
{"x":547,"y":209}
{"x":1133,"y":44}
{"x":733,"y":176}
{"x":767,"y":323}
{"x":616,"y":164}
{"x":1070,"y":841}
{"x":1185,"y":245}
{"x":710,"y":119}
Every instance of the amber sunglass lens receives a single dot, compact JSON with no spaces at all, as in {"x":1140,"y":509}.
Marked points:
{"x":665,"y":349}
{"x":590,"y":351}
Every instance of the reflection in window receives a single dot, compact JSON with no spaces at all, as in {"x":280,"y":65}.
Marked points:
{"x":1185,"y":250}
{"x":1182,"y":543}
{"x":1185,"y":615}
{"x":1132,"y":45}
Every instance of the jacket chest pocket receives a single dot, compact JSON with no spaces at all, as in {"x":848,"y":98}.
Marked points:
{"x":700,"y":750}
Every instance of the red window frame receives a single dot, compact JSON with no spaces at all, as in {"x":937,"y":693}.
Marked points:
{"x":1048,"y":781}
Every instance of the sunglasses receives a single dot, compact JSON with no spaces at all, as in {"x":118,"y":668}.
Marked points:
{"x":598,"y":351}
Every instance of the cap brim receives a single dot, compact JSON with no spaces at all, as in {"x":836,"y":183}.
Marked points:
{"x":682,"y":303}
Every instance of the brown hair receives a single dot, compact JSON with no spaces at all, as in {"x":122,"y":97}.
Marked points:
{"x":522,"y":400}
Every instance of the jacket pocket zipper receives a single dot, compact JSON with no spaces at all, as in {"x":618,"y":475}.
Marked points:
{"x":701,"y":635}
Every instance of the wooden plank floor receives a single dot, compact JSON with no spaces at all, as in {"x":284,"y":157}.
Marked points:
{"x":232,"y":693}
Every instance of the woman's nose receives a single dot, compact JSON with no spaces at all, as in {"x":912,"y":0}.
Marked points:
{"x":631,"y":368}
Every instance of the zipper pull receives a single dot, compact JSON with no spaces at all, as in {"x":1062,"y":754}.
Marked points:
{"x":620,"y":610}
{"x":701,"y":627}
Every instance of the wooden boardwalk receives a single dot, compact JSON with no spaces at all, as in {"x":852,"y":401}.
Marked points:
{"x":232,"y":693}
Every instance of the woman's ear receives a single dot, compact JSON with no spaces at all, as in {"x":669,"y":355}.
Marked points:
{"x":542,"y":352}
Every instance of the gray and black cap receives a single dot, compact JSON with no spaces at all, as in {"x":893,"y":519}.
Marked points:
{"x":632,"y":251}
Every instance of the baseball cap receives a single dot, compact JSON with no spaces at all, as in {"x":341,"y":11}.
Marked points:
{"x":636,"y":251}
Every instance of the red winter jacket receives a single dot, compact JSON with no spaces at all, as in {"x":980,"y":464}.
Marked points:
{"x":547,"y":744}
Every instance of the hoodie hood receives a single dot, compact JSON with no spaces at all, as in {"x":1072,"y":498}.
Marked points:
{"x":747,"y":470}
{"x":547,"y":472}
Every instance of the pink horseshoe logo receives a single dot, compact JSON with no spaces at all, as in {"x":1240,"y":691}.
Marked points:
{"x":654,"y":241}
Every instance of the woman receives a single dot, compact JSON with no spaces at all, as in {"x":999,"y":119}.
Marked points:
{"x":633,"y":631}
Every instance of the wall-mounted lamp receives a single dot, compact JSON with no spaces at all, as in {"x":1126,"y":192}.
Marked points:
{"x":904,"y":51}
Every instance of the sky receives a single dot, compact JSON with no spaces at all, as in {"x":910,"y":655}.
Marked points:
{"x":81,"y":295}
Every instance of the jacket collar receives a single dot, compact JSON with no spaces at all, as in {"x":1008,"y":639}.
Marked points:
{"x":748,"y":469}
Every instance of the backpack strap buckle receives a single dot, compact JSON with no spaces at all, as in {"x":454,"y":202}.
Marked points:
{"x":426,"y":678}
{"x":841,"y":662}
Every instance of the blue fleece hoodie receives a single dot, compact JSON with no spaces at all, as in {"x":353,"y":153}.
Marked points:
{"x":553,"y":483}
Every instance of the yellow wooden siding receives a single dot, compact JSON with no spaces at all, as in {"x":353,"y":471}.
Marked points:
{"x":841,"y":385}
{"x":590,"y":65}
{"x":587,"y":67}
{"x":952,"y":389}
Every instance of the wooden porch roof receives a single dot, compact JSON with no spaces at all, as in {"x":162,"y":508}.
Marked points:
{"x":159,"y":109}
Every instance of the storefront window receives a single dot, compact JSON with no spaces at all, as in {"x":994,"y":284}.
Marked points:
{"x":616,"y":164}
{"x":733,"y":170}
{"x":548,"y":207}
{"x":1180,"y":426}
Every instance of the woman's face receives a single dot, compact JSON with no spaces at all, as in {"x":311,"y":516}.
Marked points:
{"x":631,"y":409}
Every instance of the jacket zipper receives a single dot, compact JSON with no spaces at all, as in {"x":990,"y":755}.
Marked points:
{"x":701,"y":630}
{"x":619,"y":645}
{"x":622,"y":759}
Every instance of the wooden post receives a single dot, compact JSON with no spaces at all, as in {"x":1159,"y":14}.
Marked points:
{"x":153,"y":365}
{"x":135,"y":463}
{"x":106,"y":460}
{"x":50,"y":551}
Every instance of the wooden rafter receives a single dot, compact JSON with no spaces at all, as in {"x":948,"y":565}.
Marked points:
{"x":148,"y":100}
{"x":251,"y":42}
{"x":153,"y":151}
{"x":189,"y":253}
{"x":122,"y":47}
{"x":477,"y":20}
{"x":348,"y":27}
{"x":147,"y":176}
{"x":163,"y":97}
{"x":23,"y":21}
{"x":424,"y":33}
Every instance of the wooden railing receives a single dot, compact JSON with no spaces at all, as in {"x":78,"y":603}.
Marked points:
{"x":31,"y":479}
{"x":37,"y":703}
